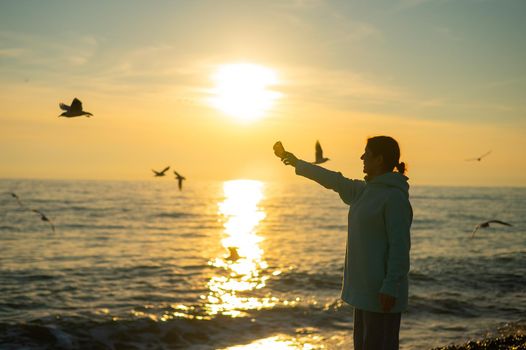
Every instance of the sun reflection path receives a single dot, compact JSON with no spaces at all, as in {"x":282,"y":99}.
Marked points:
{"x":242,"y":272}
{"x":276,"y":343}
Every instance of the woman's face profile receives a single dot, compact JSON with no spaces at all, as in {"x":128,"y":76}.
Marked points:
{"x":371,"y":163}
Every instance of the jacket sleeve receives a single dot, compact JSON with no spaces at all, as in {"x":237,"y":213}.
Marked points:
{"x":398,"y":216}
{"x":349,"y":190}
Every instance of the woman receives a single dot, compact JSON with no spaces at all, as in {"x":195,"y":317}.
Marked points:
{"x":375,"y":278}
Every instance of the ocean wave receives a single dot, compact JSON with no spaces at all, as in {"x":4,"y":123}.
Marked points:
{"x":177,"y":332}
{"x":91,"y":226}
{"x":504,"y":273}
{"x":342,"y":228}
{"x":305,"y":281}
{"x":442,"y":306}
{"x":7,"y":228}
{"x":173,"y":215}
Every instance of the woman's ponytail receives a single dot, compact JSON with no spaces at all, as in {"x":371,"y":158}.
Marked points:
{"x":401,"y":167}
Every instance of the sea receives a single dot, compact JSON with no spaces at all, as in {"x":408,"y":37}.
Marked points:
{"x":240,"y":264}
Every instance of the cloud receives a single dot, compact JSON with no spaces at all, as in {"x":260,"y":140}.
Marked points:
{"x":337,"y":86}
{"x":40,"y":51}
{"x":342,"y":28}
{"x":415,"y":3}
{"x":12,"y":52}
{"x":344,"y":31}
{"x":90,"y":62}
{"x":158,"y":69}
{"x":294,"y":4}
{"x":448,"y":33}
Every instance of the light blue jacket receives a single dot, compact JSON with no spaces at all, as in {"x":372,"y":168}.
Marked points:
{"x":378,"y":241}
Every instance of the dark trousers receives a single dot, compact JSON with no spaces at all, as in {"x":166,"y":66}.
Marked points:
{"x":376,"y":331}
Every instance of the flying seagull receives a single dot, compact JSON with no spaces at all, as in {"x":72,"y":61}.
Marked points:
{"x":43,"y":217}
{"x":180,"y":179}
{"x":161,"y":173}
{"x":486,"y":224}
{"x":319,"y":154}
{"x":233,"y":254}
{"x":479,"y":158}
{"x":18,"y":200}
{"x":75,"y":110}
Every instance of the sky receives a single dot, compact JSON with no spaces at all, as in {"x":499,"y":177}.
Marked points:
{"x":447,"y":79}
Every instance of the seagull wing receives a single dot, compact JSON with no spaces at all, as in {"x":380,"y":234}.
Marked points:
{"x":485,"y":154}
{"x":180,"y":183}
{"x":499,"y":222}
{"x":76,"y":105}
{"x":164,"y":170}
{"x":52,"y":226}
{"x":18,"y":200}
{"x":20,"y":203}
{"x":475,"y":230}
{"x":63,"y":106}
{"x":45,"y":218}
{"x":319,"y":151}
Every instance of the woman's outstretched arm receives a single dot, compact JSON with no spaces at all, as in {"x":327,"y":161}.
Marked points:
{"x":348,"y":189}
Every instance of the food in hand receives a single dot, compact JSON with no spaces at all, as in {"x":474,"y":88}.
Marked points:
{"x":279,"y":150}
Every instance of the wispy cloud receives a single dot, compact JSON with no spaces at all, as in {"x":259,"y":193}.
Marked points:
{"x":415,"y":3}
{"x":41,"y":51}
{"x":73,"y":60}
{"x":12,"y":52}
{"x":301,"y":3}
{"x":412,"y":3}
{"x":345,"y":31}
{"x":337,"y":86}
{"x":342,"y":29}
{"x":448,"y":33}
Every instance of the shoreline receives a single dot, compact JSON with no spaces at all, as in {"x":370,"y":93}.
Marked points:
{"x":515,"y":342}
{"x":511,"y":336}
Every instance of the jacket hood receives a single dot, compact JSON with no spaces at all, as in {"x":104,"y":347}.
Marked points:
{"x":392,"y":179}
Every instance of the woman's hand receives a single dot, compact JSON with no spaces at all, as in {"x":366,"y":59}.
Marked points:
{"x":286,"y":157}
{"x":387,"y":302}
{"x":289,"y":159}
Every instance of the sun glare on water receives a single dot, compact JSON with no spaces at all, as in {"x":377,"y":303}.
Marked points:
{"x":242,"y":90}
{"x":245,"y":271}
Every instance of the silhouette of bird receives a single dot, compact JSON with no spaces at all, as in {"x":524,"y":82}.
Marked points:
{"x":18,"y":200}
{"x":486,"y":224}
{"x":180,"y":179}
{"x":319,"y":154}
{"x":43,"y":217}
{"x":75,"y":110}
{"x":160,"y":173}
{"x":479,"y":158}
{"x":233,"y":254}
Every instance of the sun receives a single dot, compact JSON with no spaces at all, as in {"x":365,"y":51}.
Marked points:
{"x":242,"y":90}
